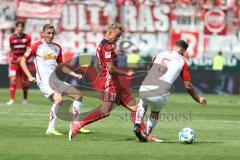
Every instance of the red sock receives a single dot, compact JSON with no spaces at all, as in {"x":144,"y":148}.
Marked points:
{"x":133,"y":118}
{"x":25,"y":91}
{"x":12,"y":89}
{"x":91,"y":117}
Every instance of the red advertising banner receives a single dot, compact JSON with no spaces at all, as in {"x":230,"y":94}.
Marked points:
{"x":191,"y":37}
{"x":215,"y":22}
{"x":38,"y":10}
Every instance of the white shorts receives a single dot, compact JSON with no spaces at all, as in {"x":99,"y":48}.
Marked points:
{"x":156,"y":103}
{"x":47,"y":90}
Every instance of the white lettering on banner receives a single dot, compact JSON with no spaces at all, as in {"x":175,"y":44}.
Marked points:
{"x":146,"y":27}
{"x":69,"y":15}
{"x":110,"y":11}
{"x":160,"y":13}
{"x":149,"y":19}
{"x":128,"y":17}
{"x":145,"y":19}
{"x":82,"y":18}
{"x":94,"y":14}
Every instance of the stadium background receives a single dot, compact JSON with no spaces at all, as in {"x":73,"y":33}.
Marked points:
{"x":150,"y":26}
{"x":22,"y":128}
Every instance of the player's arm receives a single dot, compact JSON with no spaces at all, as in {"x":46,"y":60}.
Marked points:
{"x":188,"y":85}
{"x":108,"y":52}
{"x":70,"y":72}
{"x":23,"y":64}
{"x":66,"y":69}
{"x":114,"y":70}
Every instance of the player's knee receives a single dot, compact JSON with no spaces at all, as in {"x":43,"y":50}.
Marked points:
{"x":133,"y":108}
{"x":78,"y":97}
{"x":13,"y":80}
{"x":58,"y":100}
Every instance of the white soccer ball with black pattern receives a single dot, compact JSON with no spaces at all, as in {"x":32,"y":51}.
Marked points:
{"x":187,"y":135}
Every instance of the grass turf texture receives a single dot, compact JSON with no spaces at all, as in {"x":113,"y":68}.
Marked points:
{"x":22,"y":131}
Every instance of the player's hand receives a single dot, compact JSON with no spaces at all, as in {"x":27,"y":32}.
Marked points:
{"x":32,"y":79}
{"x":202,"y":100}
{"x":130,"y":73}
{"x":78,"y":76}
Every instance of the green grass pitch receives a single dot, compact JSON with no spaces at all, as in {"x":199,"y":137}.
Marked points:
{"x":22,"y":131}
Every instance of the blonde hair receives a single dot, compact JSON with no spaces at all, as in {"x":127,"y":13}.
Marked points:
{"x":115,"y":26}
{"x":48,"y":26}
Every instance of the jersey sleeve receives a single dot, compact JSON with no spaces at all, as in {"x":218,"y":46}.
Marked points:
{"x":185,"y":72}
{"x":60,"y":57}
{"x":31,"y":52}
{"x":107,"y":53}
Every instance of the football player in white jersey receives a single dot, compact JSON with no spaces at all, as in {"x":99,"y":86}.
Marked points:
{"x":157,"y":85}
{"x":47,"y":57}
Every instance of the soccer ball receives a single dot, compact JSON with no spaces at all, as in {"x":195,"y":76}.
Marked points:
{"x":187,"y":135}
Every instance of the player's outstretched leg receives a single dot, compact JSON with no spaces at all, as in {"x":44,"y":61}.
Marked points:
{"x":98,"y":113}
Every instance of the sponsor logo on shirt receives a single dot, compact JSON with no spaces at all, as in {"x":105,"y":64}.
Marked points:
{"x":49,"y":56}
{"x":107,"y":54}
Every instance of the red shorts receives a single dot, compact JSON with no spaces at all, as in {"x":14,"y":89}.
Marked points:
{"x":112,"y":92}
{"x":15,"y":70}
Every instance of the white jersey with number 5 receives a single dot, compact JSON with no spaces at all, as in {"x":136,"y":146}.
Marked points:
{"x":175,"y":65}
{"x":167,"y":66}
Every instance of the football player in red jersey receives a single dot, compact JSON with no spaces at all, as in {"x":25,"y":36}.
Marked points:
{"x":19,"y":42}
{"x":112,"y":90}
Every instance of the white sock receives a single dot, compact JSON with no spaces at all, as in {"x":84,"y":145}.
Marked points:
{"x":141,"y":109}
{"x":53,"y":117}
{"x":151,"y":123}
{"x":76,"y":110}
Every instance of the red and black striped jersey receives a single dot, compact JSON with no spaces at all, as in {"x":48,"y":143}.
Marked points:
{"x":18,"y":45}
